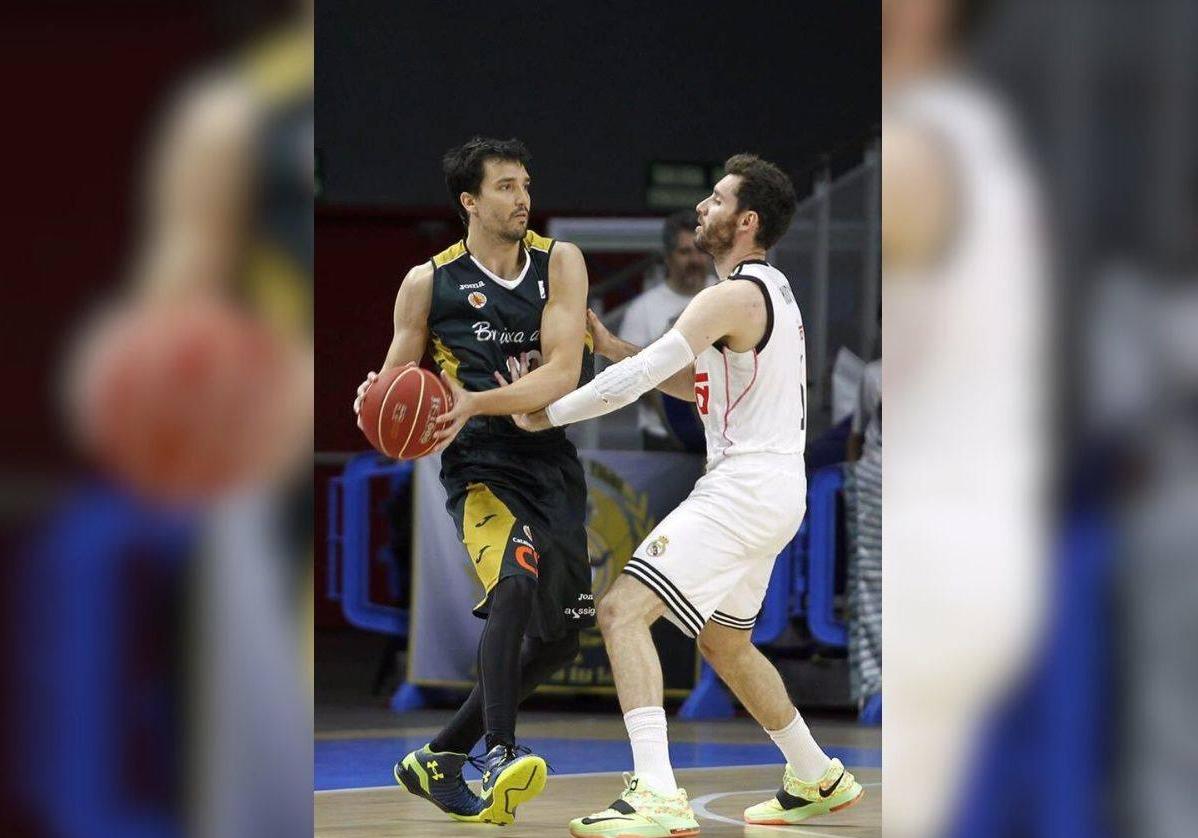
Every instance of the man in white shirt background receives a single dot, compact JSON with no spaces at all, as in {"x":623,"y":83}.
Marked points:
{"x":653,"y":312}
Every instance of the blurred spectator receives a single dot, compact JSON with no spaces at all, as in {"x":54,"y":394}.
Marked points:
{"x":650,"y":315}
{"x":863,"y":530}
{"x":866,"y":428}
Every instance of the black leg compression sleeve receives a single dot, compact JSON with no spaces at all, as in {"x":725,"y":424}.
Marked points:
{"x":499,"y":658}
{"x":538,"y":660}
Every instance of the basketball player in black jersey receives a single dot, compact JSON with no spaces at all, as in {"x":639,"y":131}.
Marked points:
{"x":502,"y":298}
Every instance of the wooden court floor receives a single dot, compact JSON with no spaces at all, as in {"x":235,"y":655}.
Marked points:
{"x":718,"y":793}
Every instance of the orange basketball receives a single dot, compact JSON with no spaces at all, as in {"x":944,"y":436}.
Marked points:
{"x":185,"y":402}
{"x":399,"y":411}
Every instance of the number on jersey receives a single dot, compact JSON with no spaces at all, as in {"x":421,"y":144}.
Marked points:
{"x":702,"y":391}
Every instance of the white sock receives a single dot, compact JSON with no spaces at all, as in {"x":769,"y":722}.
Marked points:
{"x":650,"y":748}
{"x":798,"y":746}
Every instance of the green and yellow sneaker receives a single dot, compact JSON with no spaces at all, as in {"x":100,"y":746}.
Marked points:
{"x":511,"y":775}
{"x":640,"y":812}
{"x":798,"y":801}
{"x":437,"y":777}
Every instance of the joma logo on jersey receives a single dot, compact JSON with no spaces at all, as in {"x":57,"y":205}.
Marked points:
{"x":484,"y":332}
{"x":471,"y":285}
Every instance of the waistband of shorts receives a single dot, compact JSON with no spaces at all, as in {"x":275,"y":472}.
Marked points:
{"x":492,"y":429}
{"x":512,"y":440}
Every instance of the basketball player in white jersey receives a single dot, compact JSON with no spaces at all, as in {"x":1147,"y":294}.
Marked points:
{"x":967,"y":368}
{"x":737,"y":351}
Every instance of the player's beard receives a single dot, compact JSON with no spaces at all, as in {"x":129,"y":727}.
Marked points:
{"x":715,"y":239}
{"x":513,"y":229}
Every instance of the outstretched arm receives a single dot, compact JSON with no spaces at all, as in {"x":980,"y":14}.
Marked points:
{"x":680,"y":385}
{"x":730,"y":309}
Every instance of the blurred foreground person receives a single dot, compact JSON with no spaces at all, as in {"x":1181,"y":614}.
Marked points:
{"x":193,"y":392}
{"x":967,"y":384}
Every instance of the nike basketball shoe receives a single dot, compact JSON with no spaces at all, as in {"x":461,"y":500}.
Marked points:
{"x":642,"y":812}
{"x":797,"y":800}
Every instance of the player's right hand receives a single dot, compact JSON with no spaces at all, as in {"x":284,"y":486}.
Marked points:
{"x":603,"y":338}
{"x":362,"y":388}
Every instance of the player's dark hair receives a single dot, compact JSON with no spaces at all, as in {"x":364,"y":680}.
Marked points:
{"x":676,"y":223}
{"x":464,"y":166}
{"x":765,"y":189}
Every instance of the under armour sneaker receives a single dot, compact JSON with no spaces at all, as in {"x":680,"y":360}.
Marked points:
{"x":437,"y":777}
{"x":798,"y":800}
{"x":511,"y":776}
{"x":640,"y":811}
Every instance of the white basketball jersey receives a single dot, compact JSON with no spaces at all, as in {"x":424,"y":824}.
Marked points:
{"x":756,"y":401}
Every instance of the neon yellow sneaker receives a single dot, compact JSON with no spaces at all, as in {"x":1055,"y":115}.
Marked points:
{"x":798,"y":800}
{"x":437,"y":777}
{"x":512,"y":775}
{"x":640,"y":812}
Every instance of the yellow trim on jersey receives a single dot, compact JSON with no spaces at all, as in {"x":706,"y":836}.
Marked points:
{"x":486,"y":526}
{"x":588,"y":340}
{"x":282,"y":66}
{"x":446,"y":360}
{"x":276,"y":288}
{"x":454,"y":251}
{"x":534,"y":241}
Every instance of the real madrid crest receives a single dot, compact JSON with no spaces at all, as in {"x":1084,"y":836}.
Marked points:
{"x":657,"y":546}
{"x":477,"y":299}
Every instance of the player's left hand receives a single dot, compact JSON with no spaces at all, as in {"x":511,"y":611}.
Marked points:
{"x":462,"y":408}
{"x":604,"y":343}
{"x":518,"y":368}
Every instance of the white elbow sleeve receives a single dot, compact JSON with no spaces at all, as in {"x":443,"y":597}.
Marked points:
{"x":621,"y":384}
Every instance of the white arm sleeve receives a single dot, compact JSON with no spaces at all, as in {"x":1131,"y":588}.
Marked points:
{"x":621,"y":384}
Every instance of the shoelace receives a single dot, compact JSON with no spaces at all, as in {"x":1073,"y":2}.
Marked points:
{"x":630,"y":794}
{"x":480,"y":761}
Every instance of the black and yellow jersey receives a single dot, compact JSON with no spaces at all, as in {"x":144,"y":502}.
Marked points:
{"x":477,"y":321}
{"x":276,"y":278}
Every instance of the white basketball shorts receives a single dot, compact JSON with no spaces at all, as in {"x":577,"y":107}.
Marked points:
{"x":711,"y":558}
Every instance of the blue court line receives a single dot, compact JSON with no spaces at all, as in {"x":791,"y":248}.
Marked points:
{"x":366,"y":763}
